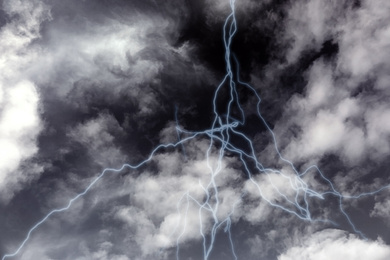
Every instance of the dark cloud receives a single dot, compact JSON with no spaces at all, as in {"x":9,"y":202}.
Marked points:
{"x":87,"y":85}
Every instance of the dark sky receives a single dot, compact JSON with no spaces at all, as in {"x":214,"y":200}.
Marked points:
{"x":130,"y":130}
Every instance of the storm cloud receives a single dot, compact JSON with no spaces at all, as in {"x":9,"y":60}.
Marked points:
{"x":89,"y":85}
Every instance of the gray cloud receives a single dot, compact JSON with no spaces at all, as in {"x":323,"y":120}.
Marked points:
{"x":20,"y":119}
{"x":336,"y":244}
{"x":343,"y":99}
{"x":90,"y":85}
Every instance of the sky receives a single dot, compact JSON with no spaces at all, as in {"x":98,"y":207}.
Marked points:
{"x":210,"y":129}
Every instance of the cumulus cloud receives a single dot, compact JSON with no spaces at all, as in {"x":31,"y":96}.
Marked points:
{"x":335,"y":244}
{"x":105,"y":80}
{"x":20,"y":121}
{"x":329,"y":120}
{"x":166,"y":207}
{"x":309,"y":24}
{"x":364,"y":41}
{"x":344,"y":98}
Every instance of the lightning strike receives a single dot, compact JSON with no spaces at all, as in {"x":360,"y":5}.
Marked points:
{"x":224,"y":128}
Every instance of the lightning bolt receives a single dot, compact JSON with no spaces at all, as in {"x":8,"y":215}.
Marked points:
{"x":225,"y":127}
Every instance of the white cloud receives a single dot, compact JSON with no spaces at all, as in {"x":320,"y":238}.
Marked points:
{"x":19,"y":127}
{"x":364,"y":48}
{"x":165,"y":206}
{"x":343,"y":109}
{"x":20,"y":122}
{"x":266,"y":189}
{"x":326,"y":118}
{"x":330,"y":120}
{"x":309,"y":24}
{"x":336,"y":244}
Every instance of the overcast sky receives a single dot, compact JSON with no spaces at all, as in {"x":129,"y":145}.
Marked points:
{"x":282,"y":155}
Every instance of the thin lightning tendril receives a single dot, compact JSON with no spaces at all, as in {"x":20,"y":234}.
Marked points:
{"x":223,"y":128}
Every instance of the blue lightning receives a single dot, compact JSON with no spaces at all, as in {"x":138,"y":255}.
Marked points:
{"x":225,"y":127}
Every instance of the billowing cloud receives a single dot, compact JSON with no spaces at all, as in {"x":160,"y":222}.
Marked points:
{"x":331,"y":244}
{"x":87,"y":85}
{"x":20,"y":120}
{"x":343,"y":99}
{"x":167,"y":208}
